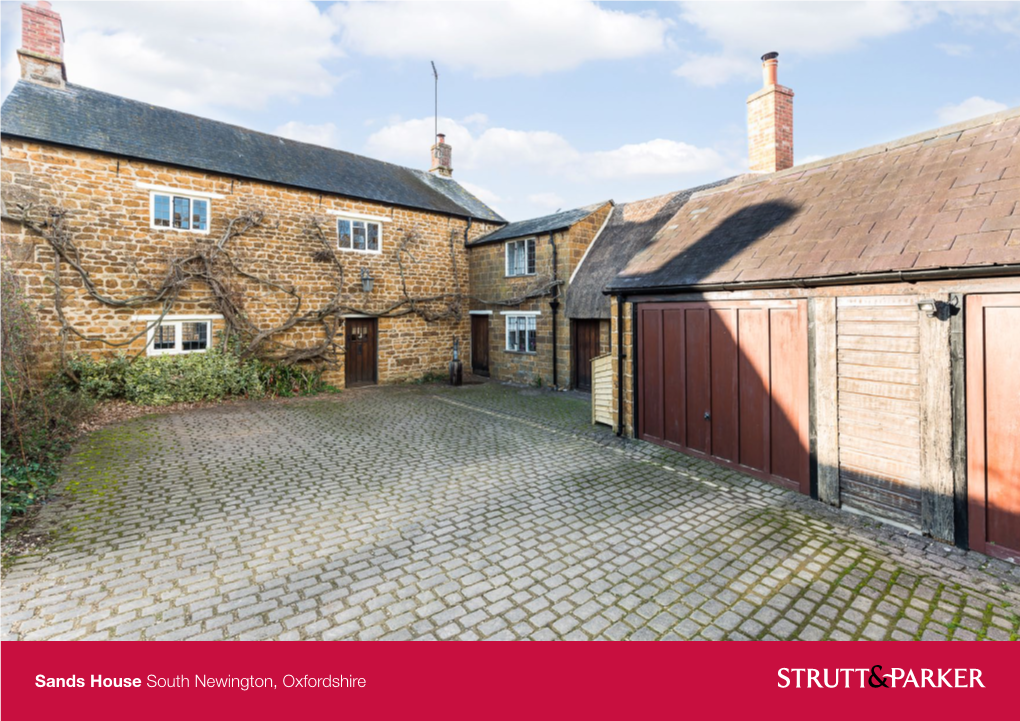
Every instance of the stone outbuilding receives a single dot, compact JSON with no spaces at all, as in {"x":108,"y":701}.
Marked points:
{"x":521,"y":275}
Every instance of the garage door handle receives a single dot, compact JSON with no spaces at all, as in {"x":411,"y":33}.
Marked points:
{"x":707,"y":415}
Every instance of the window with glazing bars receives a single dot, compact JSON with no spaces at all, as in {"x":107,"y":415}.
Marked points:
{"x":363,"y":235}
{"x":521,"y":333}
{"x":520,"y":257}
{"x":180,"y":212}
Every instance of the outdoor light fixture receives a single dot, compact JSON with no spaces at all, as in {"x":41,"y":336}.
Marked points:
{"x":929,"y":307}
{"x":366,"y":280}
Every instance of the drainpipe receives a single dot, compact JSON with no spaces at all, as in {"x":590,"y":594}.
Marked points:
{"x":619,"y":365}
{"x":554,"y":305}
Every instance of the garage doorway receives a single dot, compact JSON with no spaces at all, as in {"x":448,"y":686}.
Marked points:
{"x":727,"y":381}
{"x":993,"y":424}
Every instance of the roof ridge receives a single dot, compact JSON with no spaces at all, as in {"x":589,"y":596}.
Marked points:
{"x":958,"y":128}
{"x":246,"y":129}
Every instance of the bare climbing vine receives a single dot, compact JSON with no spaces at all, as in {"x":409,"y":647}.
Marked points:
{"x":217,"y":265}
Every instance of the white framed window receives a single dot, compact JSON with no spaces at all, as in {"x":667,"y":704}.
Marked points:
{"x":174,"y":335}
{"x":520,"y":257}
{"x":359,"y":235}
{"x":521,"y":333}
{"x":179,"y":211}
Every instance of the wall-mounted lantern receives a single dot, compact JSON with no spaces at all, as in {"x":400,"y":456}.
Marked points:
{"x":366,"y":280}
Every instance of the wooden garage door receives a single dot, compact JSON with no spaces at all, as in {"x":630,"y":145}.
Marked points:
{"x":993,"y":424}
{"x":879,"y":406}
{"x":728,"y":381}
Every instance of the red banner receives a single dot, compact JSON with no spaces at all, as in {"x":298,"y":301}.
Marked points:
{"x":506,"y":680}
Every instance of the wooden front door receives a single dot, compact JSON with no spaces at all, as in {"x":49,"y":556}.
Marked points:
{"x":360,"y":356}
{"x":585,"y":347}
{"x":727,"y":381}
{"x":480,"y":344}
{"x":993,"y":423}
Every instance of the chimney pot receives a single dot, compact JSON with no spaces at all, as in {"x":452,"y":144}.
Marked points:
{"x":770,"y":68}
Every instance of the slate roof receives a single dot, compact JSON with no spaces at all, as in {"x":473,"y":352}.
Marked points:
{"x":946,"y":198}
{"x":534,"y":226}
{"x":84,"y":118}
{"x":630,"y":228}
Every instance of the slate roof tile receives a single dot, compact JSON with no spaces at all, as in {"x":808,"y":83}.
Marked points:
{"x":630,"y":227}
{"x":80,"y":117}
{"x":946,"y":198}
{"x":535,"y":226}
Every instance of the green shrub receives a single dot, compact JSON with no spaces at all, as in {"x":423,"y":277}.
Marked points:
{"x":40,"y":415}
{"x":21,"y":485}
{"x":209,"y":376}
{"x":100,"y":379}
{"x":287,"y":381}
{"x":213,"y":375}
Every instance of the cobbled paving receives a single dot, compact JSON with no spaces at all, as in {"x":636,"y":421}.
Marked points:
{"x":481,"y":512}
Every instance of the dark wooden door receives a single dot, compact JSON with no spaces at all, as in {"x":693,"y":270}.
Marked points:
{"x":993,"y":424}
{"x":360,"y":356}
{"x":586,"y":346}
{"x":480,"y":345}
{"x":728,"y":381}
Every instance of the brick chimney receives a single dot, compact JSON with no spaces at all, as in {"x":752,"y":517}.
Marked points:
{"x":442,"y":158}
{"x":42,"y":45}
{"x":770,"y":122}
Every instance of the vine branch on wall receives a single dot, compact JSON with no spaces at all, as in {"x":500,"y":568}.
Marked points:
{"x":213,"y":265}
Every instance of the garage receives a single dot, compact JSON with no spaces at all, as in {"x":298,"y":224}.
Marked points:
{"x":727,"y":381}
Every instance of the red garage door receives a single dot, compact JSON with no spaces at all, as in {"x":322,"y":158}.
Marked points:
{"x":728,"y":382}
{"x":993,"y":424}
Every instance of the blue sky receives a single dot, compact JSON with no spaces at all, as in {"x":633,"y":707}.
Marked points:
{"x":555,"y":104}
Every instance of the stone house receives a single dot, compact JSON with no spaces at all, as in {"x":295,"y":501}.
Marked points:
{"x":134,"y":228}
{"x":847,"y":328}
{"x":521,"y":275}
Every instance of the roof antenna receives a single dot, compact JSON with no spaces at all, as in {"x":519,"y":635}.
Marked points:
{"x":435,"y":73}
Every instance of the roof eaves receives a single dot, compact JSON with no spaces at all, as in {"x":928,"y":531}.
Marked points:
{"x":532,"y":226}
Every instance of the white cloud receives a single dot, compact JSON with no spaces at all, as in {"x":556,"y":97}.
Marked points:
{"x":324,"y":134}
{"x":552,"y":201}
{"x":981,"y":16}
{"x":483,"y":194}
{"x":956,"y":50}
{"x":476,"y":119}
{"x":541,"y":151}
{"x":191,"y":56}
{"x":745,"y":31}
{"x":655,"y":157}
{"x":970,"y":108}
{"x":712,"y":70}
{"x":498,"y":39}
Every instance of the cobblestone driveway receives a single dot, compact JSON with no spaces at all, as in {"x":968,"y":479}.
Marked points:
{"x":479,"y":512}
